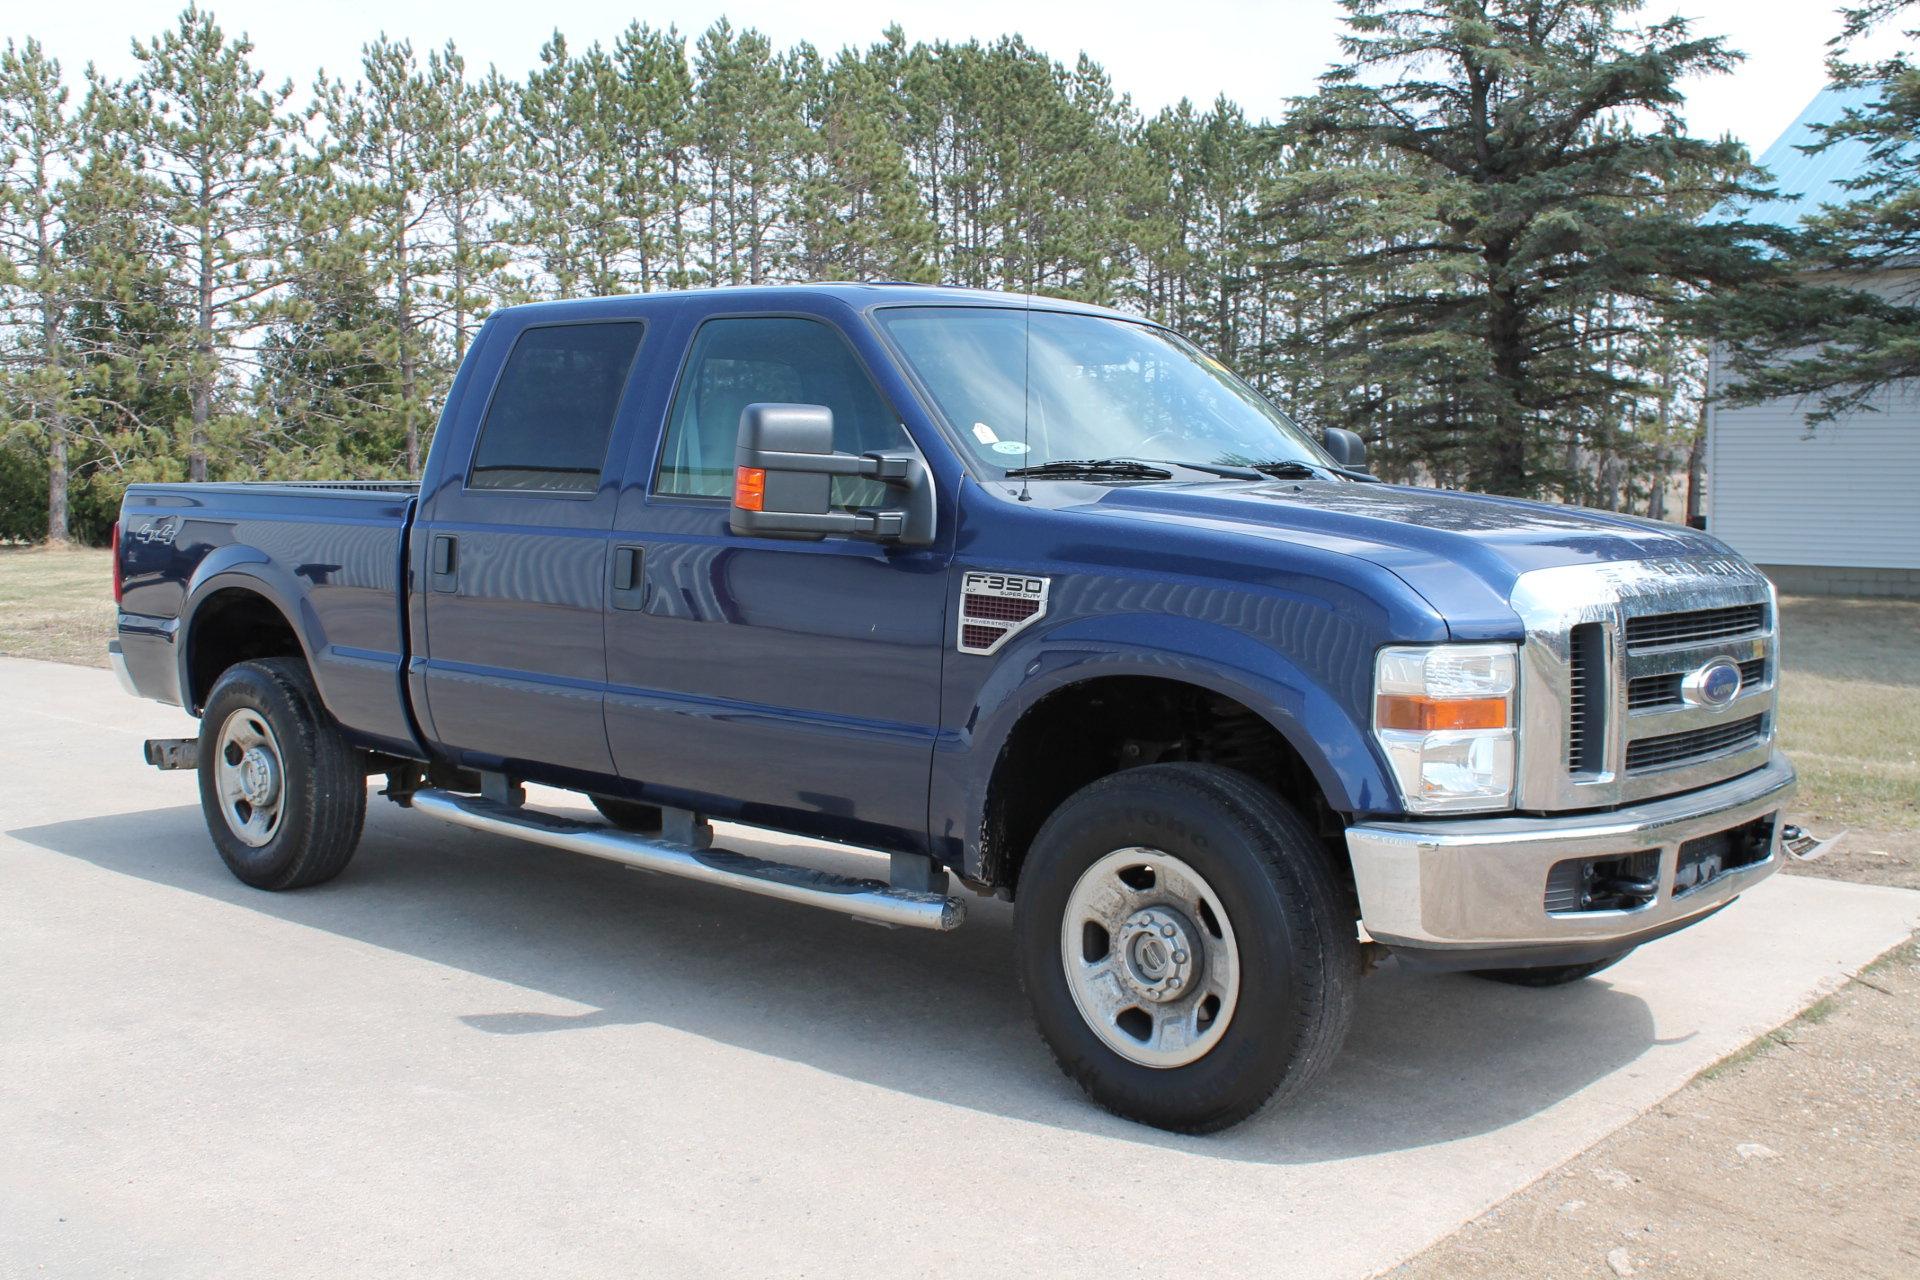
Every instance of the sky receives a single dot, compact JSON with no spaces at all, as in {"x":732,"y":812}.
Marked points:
{"x":1258,"y":54}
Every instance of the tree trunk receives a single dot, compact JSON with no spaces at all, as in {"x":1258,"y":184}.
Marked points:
{"x":408,"y":365}
{"x":1504,"y":469}
{"x":50,"y":313}
{"x":57,"y":480}
{"x":203,"y":372}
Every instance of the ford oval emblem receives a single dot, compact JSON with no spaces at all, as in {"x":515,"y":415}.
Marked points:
{"x":1714,"y":685}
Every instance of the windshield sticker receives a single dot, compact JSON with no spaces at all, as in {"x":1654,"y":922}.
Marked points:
{"x":984,"y":433}
{"x":1010,"y":446}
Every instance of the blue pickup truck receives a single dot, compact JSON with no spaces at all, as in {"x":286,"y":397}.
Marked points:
{"x":1026,"y":595}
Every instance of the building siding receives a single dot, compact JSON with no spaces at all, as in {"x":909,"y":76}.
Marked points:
{"x":1846,"y":494}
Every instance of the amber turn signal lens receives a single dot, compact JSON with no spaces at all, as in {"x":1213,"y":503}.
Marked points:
{"x":749,"y":488}
{"x":1412,"y":711}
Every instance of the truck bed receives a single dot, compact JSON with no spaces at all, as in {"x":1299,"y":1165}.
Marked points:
{"x":328,"y":554}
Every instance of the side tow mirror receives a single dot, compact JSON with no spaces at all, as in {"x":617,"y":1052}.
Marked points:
{"x":1347,"y":448}
{"x":784,"y":465}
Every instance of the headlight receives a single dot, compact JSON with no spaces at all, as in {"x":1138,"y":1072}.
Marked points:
{"x":1444,"y":716}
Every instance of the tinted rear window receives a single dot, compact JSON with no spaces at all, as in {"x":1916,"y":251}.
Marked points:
{"x":552,"y":412}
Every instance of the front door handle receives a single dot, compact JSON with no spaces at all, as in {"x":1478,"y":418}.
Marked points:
{"x":443,"y":562}
{"x":629,"y":578}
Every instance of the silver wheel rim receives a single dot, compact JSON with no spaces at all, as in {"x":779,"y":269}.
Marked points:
{"x":1150,"y":957}
{"x":250,"y":777}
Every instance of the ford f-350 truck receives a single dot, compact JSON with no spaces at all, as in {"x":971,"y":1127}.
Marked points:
{"x":1023,"y":594}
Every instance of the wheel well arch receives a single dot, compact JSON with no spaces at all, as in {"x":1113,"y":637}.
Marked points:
{"x":1086,"y":730}
{"x":229,"y":625}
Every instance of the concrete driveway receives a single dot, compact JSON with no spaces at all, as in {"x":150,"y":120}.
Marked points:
{"x":470,"y":1056}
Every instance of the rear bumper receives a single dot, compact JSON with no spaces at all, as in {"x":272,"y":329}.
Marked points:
{"x":1472,"y":893}
{"x":117,"y":658}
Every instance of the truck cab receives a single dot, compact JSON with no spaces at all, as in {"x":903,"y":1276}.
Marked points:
{"x":1027,"y":595}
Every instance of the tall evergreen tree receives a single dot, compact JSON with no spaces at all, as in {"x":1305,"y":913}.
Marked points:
{"x":653,"y":139}
{"x":569,"y":203}
{"x":746,"y":112}
{"x":856,"y":211}
{"x":1519,"y":185}
{"x":217,"y":151}
{"x":1825,"y":338}
{"x":39,"y":147}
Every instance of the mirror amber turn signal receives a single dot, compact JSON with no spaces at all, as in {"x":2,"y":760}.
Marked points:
{"x":784,"y":465}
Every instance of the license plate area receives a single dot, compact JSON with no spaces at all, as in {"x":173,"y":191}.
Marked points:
{"x":1705,"y":859}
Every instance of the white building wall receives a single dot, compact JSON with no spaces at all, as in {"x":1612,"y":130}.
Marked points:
{"x":1845,"y":495}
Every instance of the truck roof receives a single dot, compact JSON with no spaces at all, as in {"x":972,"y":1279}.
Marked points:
{"x":857,"y":294}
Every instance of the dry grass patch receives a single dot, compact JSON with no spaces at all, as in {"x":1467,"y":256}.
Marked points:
{"x":1850,"y":720}
{"x":56,"y":604}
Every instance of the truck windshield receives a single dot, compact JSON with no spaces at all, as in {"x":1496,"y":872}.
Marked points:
{"x":1086,"y":387}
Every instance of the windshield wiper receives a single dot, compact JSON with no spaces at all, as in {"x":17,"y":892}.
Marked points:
{"x":1288,"y":469}
{"x":1105,"y":468}
{"x":1294,"y":469}
{"x":1229,"y":470}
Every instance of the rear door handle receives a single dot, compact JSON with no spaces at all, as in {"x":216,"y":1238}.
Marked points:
{"x":629,"y":578}
{"x":444,"y":562}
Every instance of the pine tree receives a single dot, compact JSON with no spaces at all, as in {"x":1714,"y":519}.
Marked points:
{"x":39,"y":146}
{"x":1822,"y":337}
{"x":1521,"y":186}
{"x":653,"y":138}
{"x":856,"y":211}
{"x":567,"y":188}
{"x":746,"y":111}
{"x":217,"y":153}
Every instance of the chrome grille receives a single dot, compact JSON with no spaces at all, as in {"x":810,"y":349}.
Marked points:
{"x":1646,"y":692}
{"x":1580,"y":680}
{"x":1695,"y":626}
{"x":1692,"y":744}
{"x":1604,"y":714}
{"x":1586,"y":694}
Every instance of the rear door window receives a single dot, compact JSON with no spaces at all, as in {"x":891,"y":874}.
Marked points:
{"x":552,"y":411}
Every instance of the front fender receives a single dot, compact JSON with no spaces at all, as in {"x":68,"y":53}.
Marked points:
{"x":1316,"y":721}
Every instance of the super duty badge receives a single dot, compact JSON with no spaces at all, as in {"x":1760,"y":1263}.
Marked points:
{"x":993,"y":606}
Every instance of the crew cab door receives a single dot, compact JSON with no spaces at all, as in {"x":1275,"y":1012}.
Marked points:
{"x":790,"y":682}
{"x":515,"y":543}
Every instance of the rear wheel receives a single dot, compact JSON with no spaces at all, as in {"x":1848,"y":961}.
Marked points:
{"x":1184,"y":947}
{"x":629,"y":815}
{"x":1553,"y":975}
{"x":283,"y":793}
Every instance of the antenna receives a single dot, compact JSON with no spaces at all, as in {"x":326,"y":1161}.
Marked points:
{"x":1026,"y":403}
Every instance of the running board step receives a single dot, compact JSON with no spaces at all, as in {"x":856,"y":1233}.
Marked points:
{"x":866,"y":899}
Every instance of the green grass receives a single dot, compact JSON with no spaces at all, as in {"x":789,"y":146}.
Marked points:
{"x":56,"y":604}
{"x":1850,"y":714}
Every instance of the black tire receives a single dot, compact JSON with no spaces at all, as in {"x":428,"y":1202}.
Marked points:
{"x":323,"y":786}
{"x":629,"y":815}
{"x":1299,"y":961}
{"x":1553,"y":975}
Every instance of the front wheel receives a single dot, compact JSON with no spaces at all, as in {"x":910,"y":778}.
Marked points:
{"x":1184,"y":947}
{"x":283,"y":793}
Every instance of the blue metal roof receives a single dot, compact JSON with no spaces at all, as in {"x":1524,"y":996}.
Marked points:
{"x":1808,"y":182}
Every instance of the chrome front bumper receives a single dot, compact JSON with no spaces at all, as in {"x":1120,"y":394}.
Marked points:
{"x":1479,"y":885}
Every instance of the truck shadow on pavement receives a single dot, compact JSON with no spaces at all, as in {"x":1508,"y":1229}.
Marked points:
{"x":1432,"y":1058}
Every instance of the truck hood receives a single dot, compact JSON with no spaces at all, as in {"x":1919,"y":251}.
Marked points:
{"x":1460,"y":551}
